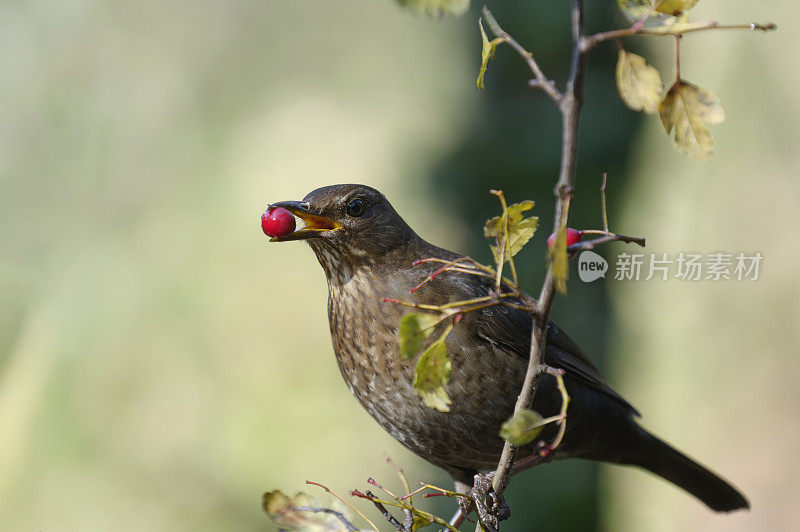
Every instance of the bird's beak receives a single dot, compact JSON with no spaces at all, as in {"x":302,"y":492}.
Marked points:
{"x":315,"y":224}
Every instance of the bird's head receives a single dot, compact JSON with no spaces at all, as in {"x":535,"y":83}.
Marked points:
{"x":352,"y":223}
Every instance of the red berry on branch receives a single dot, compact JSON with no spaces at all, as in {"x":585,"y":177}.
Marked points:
{"x":573,"y":237}
{"x":277,"y":222}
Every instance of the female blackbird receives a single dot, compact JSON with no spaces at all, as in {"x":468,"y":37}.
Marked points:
{"x":367,"y":251}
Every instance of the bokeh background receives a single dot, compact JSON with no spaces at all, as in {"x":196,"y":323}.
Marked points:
{"x":161,"y":365}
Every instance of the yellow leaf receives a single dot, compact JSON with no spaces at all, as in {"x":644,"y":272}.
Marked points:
{"x":494,"y":226}
{"x":558,"y":260}
{"x":638,"y":83}
{"x":437,"y":7}
{"x":522,"y":428}
{"x":685,"y":111}
{"x":674,"y":7}
{"x":433,"y":374}
{"x":520,"y":229}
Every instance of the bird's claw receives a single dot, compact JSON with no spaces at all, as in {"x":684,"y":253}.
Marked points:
{"x":500,"y":507}
{"x":481,"y":490}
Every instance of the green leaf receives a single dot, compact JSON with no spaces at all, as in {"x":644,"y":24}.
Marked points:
{"x":522,"y":428}
{"x":437,"y":7}
{"x":520,"y":229}
{"x":432,"y":374}
{"x":487,"y":52}
{"x":558,"y":260}
{"x":638,"y":83}
{"x":415,"y":327}
{"x":686,"y":110}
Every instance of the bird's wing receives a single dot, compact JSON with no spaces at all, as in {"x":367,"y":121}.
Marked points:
{"x":510,"y":329}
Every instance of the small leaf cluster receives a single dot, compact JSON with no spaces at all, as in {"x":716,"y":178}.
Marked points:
{"x":685,"y":109}
{"x":511,"y":230}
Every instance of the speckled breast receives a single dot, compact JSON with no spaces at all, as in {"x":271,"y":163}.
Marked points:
{"x":364,"y":332}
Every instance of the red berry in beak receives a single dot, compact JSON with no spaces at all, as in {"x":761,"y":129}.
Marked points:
{"x":277,"y":222}
{"x":573,"y":237}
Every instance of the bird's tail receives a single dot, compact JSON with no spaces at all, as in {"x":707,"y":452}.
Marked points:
{"x":667,"y":462}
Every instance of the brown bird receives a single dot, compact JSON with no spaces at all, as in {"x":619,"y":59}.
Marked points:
{"x":367,"y":251}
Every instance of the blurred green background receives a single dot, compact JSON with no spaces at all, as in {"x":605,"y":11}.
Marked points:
{"x":161,"y":365}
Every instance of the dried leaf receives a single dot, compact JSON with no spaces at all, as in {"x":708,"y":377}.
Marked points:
{"x":437,"y":7}
{"x":487,"y":52}
{"x":415,"y":327}
{"x":522,"y":428}
{"x":686,"y":110}
{"x":432,"y":374}
{"x":638,"y":83}
{"x":520,"y":229}
{"x":559,"y":262}
{"x":283,"y":510}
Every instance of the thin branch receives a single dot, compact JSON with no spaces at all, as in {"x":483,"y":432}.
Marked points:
{"x":441,"y":491}
{"x":637,"y":29}
{"x":441,"y":270}
{"x":542,"y":82}
{"x":588,"y":245}
{"x":570,"y":105}
{"x":603,"y":202}
{"x":409,"y":522}
{"x":558,"y":373}
{"x":402,"y":505}
{"x":466,"y":263}
{"x":372,"y":482}
{"x":412,"y":493}
{"x":386,"y":513}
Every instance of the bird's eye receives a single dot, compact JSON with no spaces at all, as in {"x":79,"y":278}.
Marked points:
{"x":356,"y":208}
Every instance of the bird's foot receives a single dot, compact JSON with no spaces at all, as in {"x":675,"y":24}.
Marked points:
{"x":496,"y":510}
{"x":500,"y":507}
